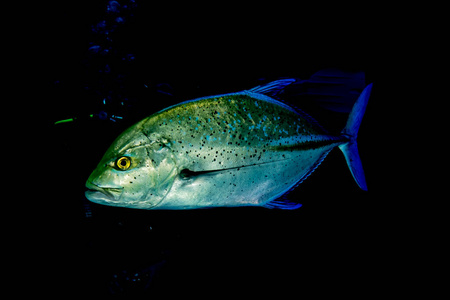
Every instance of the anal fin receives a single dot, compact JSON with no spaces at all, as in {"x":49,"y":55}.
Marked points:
{"x":282,"y":203}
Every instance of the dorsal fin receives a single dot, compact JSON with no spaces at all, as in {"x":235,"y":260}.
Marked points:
{"x":272,"y":88}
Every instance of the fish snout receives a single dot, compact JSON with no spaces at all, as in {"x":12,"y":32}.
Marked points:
{"x":99,"y":194}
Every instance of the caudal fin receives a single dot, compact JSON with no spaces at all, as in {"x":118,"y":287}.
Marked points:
{"x":350,"y":149}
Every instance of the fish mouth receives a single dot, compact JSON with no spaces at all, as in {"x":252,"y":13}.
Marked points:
{"x":100,"y":194}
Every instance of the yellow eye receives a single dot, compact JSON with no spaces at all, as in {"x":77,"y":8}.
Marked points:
{"x":123,"y":163}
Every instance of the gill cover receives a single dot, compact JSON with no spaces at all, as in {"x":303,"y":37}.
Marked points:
{"x":163,"y":163}
{"x":141,"y":166}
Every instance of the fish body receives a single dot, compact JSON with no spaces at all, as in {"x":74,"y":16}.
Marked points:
{"x":237,"y":149}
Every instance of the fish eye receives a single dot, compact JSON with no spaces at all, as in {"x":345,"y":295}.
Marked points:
{"x":123,"y":163}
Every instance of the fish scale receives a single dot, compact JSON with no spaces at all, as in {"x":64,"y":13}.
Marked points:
{"x":251,"y":139}
{"x":238,"y":149}
{"x":231,"y":130}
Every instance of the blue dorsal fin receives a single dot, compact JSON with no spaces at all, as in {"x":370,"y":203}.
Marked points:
{"x":332,"y":89}
{"x":272,"y":88}
{"x":282,"y":203}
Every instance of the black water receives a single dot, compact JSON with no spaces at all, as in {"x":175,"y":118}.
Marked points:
{"x":120,"y":61}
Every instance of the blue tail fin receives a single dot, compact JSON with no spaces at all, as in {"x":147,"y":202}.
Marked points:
{"x":350,"y":149}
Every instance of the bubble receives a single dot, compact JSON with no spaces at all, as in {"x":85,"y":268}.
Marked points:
{"x":95,"y":49}
{"x":113,"y":6}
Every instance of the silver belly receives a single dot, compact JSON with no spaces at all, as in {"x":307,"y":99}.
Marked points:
{"x":252,"y":185}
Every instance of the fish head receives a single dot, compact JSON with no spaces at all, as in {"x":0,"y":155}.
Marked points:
{"x":137,"y":171}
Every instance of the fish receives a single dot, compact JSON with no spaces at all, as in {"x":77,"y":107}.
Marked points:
{"x":230,"y":150}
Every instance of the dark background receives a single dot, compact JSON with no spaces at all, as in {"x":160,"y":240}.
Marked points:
{"x":157,"y":55}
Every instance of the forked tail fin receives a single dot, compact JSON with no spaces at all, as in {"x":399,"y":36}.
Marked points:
{"x":350,"y":149}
